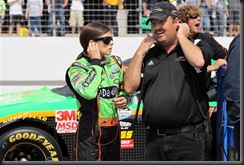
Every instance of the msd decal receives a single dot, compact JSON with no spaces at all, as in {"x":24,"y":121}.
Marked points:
{"x":66,"y":121}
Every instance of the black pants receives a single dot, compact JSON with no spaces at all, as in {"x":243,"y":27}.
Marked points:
{"x":110,"y":18}
{"x":99,"y":144}
{"x":184,"y":146}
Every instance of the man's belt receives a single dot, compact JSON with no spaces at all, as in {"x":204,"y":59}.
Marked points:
{"x":170,"y":131}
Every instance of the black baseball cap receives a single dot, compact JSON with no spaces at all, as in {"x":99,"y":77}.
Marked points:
{"x":161,"y":10}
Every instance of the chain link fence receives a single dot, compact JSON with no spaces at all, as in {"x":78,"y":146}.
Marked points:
{"x":129,"y":18}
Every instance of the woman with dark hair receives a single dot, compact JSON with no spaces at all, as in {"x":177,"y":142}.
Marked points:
{"x":96,"y":78}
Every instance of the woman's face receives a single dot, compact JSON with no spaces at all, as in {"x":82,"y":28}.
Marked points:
{"x":105,"y":43}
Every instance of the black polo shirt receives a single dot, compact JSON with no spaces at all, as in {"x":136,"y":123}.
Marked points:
{"x":218,"y":52}
{"x":174,"y":92}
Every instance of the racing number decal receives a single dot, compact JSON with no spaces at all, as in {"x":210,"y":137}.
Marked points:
{"x":126,"y":134}
{"x":126,"y":139}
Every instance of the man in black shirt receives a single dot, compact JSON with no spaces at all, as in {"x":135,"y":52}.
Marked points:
{"x":192,"y":16}
{"x":173,"y":87}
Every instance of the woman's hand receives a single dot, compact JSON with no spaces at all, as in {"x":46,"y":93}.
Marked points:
{"x":120,"y":102}
{"x":93,"y":50}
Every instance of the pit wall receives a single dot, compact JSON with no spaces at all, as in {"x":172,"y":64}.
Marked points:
{"x":31,"y":63}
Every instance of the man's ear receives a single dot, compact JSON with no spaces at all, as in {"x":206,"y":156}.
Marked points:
{"x":177,"y":22}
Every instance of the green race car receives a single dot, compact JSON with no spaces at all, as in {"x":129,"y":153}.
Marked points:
{"x":40,"y":125}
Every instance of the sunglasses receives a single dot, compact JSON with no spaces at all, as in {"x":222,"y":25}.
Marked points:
{"x":106,"y":40}
{"x":193,"y":16}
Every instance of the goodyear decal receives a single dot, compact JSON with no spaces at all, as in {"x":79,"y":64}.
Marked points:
{"x":66,"y":121}
{"x":33,"y":115}
{"x":38,"y":138}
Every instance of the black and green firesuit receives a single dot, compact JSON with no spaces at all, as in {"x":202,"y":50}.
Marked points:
{"x":96,"y":83}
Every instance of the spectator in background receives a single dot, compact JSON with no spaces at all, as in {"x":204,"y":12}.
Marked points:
{"x":192,"y":16}
{"x":219,"y":10}
{"x":146,"y":6}
{"x":133,"y":16}
{"x":193,"y":2}
{"x":110,"y":14}
{"x":93,"y":11}
{"x":34,"y":9}
{"x":177,"y":3}
{"x":231,"y":89}
{"x":16,"y":14}
{"x":57,"y":9}
{"x":76,"y":16}
{"x":205,"y":21}
{"x":2,"y":14}
{"x":234,"y":14}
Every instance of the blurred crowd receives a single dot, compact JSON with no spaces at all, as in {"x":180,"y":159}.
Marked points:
{"x":62,"y":17}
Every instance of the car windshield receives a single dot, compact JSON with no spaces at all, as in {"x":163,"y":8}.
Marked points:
{"x":64,"y":91}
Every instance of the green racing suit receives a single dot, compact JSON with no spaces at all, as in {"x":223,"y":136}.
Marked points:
{"x":95,"y":84}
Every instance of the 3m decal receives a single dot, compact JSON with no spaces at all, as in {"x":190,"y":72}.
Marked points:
{"x":66,"y":121}
{"x":65,"y":115}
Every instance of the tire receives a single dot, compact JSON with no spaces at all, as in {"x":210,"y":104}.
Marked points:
{"x":29,"y":144}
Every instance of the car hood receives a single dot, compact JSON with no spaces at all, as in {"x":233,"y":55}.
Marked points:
{"x":41,"y":101}
{"x":45,"y":101}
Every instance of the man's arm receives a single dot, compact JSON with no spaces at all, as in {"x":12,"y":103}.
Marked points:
{"x":144,"y":8}
{"x":192,"y":52}
{"x":133,"y":72}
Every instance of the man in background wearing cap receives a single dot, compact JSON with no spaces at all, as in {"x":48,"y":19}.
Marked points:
{"x":170,"y":71}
